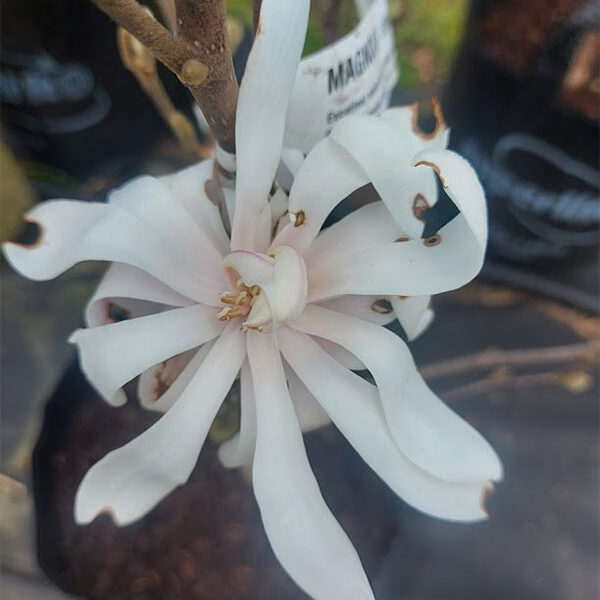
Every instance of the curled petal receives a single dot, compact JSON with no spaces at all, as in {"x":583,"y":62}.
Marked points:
{"x":260,"y":119}
{"x":353,"y":405}
{"x":417,"y":267}
{"x":306,"y":538}
{"x":367,"y":227}
{"x":239,"y":450}
{"x":75,"y":231}
{"x":375,"y":309}
{"x":423,"y":427}
{"x":129,"y":481}
{"x":386,"y":158}
{"x":111,"y":355}
{"x":124,"y":281}
{"x":414,"y":313}
{"x":326,"y":177}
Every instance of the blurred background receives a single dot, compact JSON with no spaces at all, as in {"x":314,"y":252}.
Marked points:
{"x":516,"y":351}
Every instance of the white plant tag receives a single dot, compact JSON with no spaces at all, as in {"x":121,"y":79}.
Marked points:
{"x":354,"y":75}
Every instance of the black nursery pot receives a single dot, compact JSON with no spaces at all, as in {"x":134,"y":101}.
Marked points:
{"x":524,"y":108}
{"x":205,"y":540}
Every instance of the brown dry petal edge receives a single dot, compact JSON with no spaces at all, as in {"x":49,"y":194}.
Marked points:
{"x":440,"y":122}
{"x":40,"y":236}
{"x":382,"y":306}
{"x":435,"y":168}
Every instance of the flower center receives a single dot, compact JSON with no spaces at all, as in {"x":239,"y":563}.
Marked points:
{"x":238,"y":304}
{"x":270,"y":289}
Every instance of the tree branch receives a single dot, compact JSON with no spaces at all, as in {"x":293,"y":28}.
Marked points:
{"x":483,"y":386}
{"x":199,"y":55}
{"x":527,"y":357}
{"x":202,"y":26}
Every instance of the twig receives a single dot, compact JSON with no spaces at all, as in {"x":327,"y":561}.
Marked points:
{"x":199,"y":56}
{"x":133,"y":17}
{"x":141,"y":62}
{"x":202,"y":25}
{"x":530,"y":356}
{"x":167,"y":9}
{"x":488,"y":384}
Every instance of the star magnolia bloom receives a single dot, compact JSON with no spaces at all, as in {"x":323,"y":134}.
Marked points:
{"x":291,"y":307}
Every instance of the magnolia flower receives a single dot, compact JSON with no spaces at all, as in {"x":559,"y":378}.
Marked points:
{"x":290,"y":307}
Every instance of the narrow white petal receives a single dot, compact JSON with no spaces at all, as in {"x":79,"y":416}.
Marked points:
{"x":239,"y":450}
{"x":262,"y":107}
{"x":111,"y":355}
{"x":375,"y":309}
{"x":414,"y":314}
{"x":160,"y":385}
{"x":417,"y":267}
{"x":326,"y":177}
{"x":153,"y":203}
{"x":366,"y":227}
{"x":423,"y":427}
{"x":189,"y":189}
{"x":125,"y":281}
{"x":386,"y":158}
{"x":308,"y":411}
{"x":75,"y":231}
{"x":306,"y":538}
{"x":353,"y":405}
{"x":345,"y":358}
{"x":130,"y":481}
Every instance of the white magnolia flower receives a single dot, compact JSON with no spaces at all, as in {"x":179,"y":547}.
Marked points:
{"x":290,"y":307}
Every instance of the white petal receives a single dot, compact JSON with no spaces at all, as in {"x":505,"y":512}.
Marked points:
{"x":188,"y":188}
{"x":289,"y":278}
{"x":164,"y":402}
{"x":159,"y":386}
{"x":308,"y":411}
{"x":417,"y":267}
{"x":262,"y":106}
{"x":111,"y":355}
{"x":423,"y":427}
{"x":375,"y":309}
{"x":151,"y":201}
{"x":345,"y":358}
{"x":75,"y":231}
{"x":306,"y":538}
{"x":125,"y":281}
{"x":130,"y":481}
{"x":353,"y":405}
{"x":386,"y":158}
{"x":326,"y":177}
{"x":414,"y":314}
{"x":366,"y":227}
{"x":239,"y":450}
{"x":262,"y":234}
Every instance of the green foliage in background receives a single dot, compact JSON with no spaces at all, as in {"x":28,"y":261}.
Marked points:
{"x":427,"y":33}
